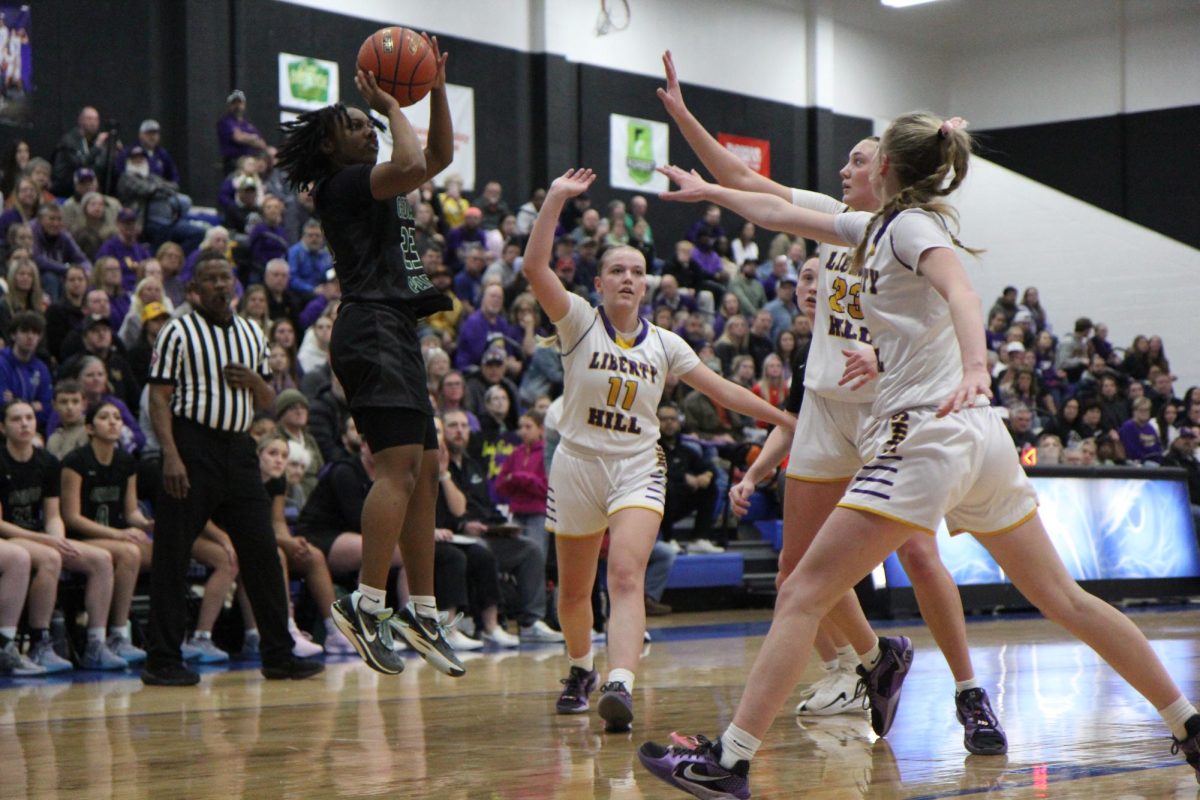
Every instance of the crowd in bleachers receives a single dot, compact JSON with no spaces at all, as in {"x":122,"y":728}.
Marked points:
{"x":100,"y":240}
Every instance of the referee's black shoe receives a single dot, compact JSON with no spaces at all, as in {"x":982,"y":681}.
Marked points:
{"x":295,"y":669}
{"x":428,"y":637}
{"x":169,"y":675}
{"x":371,"y":634}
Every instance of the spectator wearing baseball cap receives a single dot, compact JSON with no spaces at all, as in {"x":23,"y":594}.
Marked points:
{"x":124,"y":246}
{"x":783,"y":307}
{"x":291,"y":415}
{"x":163,"y":208}
{"x":89,"y":233}
{"x":150,"y":140}
{"x":98,"y":341}
{"x":1183,"y":454}
{"x":491,"y":373}
{"x":236,"y":135}
{"x":153,"y":317}
{"x":244,"y":213}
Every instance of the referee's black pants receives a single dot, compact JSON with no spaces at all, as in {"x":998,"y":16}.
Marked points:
{"x":225,"y":482}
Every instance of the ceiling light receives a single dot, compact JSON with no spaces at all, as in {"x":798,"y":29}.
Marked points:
{"x":905,"y":3}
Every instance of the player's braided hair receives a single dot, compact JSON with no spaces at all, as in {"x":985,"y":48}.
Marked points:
{"x":300,"y":156}
{"x":924,"y":152}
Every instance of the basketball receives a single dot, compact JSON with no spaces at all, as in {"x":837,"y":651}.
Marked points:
{"x":402,"y":61}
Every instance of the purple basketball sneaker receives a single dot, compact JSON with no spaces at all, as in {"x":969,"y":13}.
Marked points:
{"x":576,"y":688}
{"x":697,"y":769}
{"x":884,"y":681}
{"x":615,"y":707}
{"x":1190,"y":746}
{"x":982,"y":734}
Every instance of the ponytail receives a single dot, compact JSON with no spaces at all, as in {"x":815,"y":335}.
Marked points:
{"x":930,"y":157}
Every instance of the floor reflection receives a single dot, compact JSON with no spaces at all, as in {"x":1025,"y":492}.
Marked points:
{"x":1075,"y":729}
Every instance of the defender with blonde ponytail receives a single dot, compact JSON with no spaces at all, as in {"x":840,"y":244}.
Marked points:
{"x":834,"y":400}
{"x":930,"y":158}
{"x":935,"y":449}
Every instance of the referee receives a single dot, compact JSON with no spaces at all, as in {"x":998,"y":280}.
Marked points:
{"x":207,"y":377}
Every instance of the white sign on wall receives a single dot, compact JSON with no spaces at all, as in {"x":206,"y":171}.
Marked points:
{"x":462,"y":114}
{"x":636,"y":148}
{"x":307,"y":83}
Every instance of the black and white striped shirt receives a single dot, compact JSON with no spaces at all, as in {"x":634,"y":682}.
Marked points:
{"x":191,"y":353}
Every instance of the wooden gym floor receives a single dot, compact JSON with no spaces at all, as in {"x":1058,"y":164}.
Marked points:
{"x":1075,"y":729}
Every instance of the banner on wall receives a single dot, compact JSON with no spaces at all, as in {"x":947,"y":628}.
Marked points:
{"x":636,"y":148}
{"x":307,"y":83}
{"x":16,"y":65}
{"x":461,"y":100}
{"x":754,"y":153}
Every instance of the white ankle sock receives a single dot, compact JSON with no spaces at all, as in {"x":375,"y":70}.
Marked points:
{"x":847,"y":657}
{"x":587,"y":662}
{"x":621,"y":676}
{"x":201,"y":635}
{"x":737,"y":745}
{"x":830,"y":666}
{"x":371,"y":599}
{"x":9,"y":633}
{"x":1176,"y":716}
{"x":424,"y":605}
{"x":872,"y":656}
{"x":962,"y":686}
{"x":120,"y":630}
{"x":95,"y":634}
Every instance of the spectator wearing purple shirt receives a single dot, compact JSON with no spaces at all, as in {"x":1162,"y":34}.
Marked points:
{"x":23,"y":375}
{"x":268,"y":238}
{"x":329,"y":291}
{"x":709,"y":225}
{"x":236,"y":135}
{"x":470,"y":232}
{"x":161,"y":163}
{"x":54,"y":249}
{"x":469,"y":282}
{"x":1138,"y":436}
{"x":106,"y":275}
{"x":125,"y":247}
{"x":486,"y":327}
{"x":706,"y":259}
{"x":669,"y":296}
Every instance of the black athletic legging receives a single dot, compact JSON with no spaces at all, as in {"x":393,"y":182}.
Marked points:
{"x":465,"y":577}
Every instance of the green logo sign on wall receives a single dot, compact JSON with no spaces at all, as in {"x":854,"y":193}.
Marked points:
{"x":309,"y":80}
{"x":640,"y":156}
{"x":306,"y":83}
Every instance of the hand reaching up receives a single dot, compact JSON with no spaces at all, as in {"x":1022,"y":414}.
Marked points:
{"x":573,"y":182}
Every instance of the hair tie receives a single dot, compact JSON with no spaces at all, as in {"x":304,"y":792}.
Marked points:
{"x":950,"y":125}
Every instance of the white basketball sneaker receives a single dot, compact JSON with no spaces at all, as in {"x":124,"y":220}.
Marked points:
{"x":836,"y":693}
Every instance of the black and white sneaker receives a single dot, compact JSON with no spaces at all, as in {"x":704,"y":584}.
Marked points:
{"x":428,"y":638}
{"x":370,"y":633}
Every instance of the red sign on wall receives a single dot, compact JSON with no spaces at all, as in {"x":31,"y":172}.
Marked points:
{"x":755,"y":153}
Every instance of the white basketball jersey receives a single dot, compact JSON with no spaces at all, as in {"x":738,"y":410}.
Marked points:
{"x":611,"y":389}
{"x":839,"y":324}
{"x":909,"y":320}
